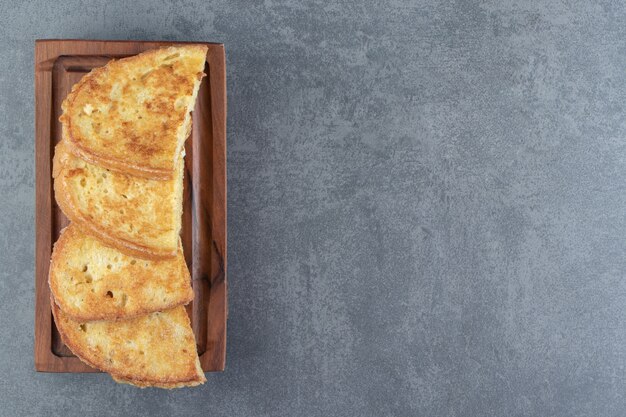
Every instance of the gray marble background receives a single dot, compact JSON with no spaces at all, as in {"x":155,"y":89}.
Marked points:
{"x":426,"y":207}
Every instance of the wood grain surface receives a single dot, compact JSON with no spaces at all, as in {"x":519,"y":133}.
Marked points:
{"x":58,"y":65}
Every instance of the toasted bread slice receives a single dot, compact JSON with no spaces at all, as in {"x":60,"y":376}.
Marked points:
{"x":158,"y":349}
{"x":91,"y":281}
{"x":133,"y":115}
{"x":138,"y":216}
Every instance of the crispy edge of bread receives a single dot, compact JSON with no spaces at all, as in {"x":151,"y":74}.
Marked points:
{"x":198,"y":379}
{"x":143,"y":384}
{"x":63,"y":199}
{"x":106,"y":161}
{"x":74,"y":314}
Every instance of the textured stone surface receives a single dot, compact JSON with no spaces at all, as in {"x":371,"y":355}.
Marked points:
{"x":427,"y":212}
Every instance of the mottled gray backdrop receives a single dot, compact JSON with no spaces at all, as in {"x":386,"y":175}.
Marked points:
{"x":427,"y":209}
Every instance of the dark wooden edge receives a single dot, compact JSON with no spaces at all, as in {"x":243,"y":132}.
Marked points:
{"x":46,"y":53}
{"x":216,"y":331}
{"x":82,"y":41}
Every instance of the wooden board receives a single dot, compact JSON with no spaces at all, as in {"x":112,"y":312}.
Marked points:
{"x":58,"y":65}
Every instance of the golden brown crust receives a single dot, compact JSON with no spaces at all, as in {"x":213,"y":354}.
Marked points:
{"x":143,"y":384}
{"x":120,"y":166}
{"x":132,"y":115}
{"x":154,"y":350}
{"x":90,"y":281}
{"x":145,"y":223}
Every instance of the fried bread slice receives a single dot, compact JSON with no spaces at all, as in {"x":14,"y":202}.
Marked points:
{"x":92,"y":281}
{"x":157,"y":349}
{"x":133,"y":114}
{"x":138,"y":216}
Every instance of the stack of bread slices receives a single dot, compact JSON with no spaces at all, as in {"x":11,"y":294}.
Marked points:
{"x":118,"y":277}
